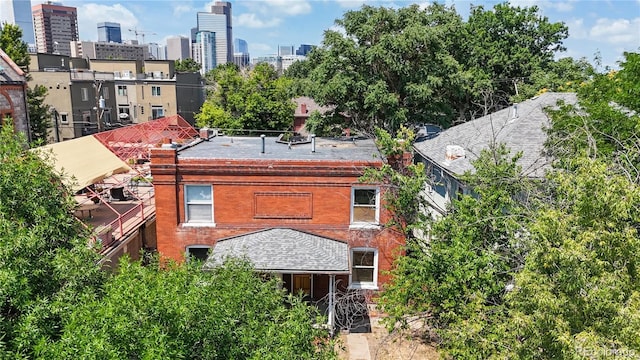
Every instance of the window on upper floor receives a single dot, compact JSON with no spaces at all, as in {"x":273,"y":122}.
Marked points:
{"x":155,"y":90}
{"x":122,"y":90}
{"x":364,"y":268}
{"x":105,"y":92}
{"x":64,"y":118}
{"x":198,"y":204}
{"x":84,"y":92}
{"x":365,"y":205}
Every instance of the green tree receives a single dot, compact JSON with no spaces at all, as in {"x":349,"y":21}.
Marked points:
{"x":39,"y":114}
{"x":606,"y":122}
{"x":455,"y":281}
{"x":507,"y":45}
{"x":183,"y":312}
{"x":579,"y":291}
{"x":12,"y":44}
{"x":390,"y":67}
{"x":46,"y":267}
{"x":187,"y":65}
{"x":257,"y":100}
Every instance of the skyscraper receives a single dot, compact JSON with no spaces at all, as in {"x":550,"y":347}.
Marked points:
{"x":18,"y":12}
{"x":218,"y":21}
{"x":204,"y":50}
{"x":178,"y":48}
{"x":304,"y":49}
{"x":240,"y":46}
{"x":55,"y":26}
{"x":284,"y":50}
{"x":224,"y":8}
{"x":109,"y":32}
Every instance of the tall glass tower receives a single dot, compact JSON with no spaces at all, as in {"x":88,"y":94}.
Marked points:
{"x":18,"y":12}
{"x":109,"y":32}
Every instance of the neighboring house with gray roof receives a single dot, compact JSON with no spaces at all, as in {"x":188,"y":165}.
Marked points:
{"x":520,"y":127}
{"x":13,"y":94}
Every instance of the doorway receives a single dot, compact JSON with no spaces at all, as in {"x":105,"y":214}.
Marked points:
{"x":302,"y":282}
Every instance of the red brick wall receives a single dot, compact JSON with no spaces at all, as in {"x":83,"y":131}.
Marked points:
{"x":254,"y":195}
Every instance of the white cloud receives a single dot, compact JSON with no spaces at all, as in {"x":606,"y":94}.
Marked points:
{"x":617,"y":31}
{"x":251,"y":20}
{"x":90,"y":14}
{"x":180,"y":9}
{"x":577,"y":29}
{"x":560,"y":6}
{"x":279,"y":7}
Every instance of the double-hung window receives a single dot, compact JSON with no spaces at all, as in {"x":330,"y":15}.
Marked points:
{"x":199,"y":204}
{"x":364,"y":268}
{"x":122,"y":90}
{"x":365,"y":206}
{"x":155,"y":90}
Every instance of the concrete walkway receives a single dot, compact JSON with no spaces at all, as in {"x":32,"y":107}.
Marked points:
{"x":358,"y":347}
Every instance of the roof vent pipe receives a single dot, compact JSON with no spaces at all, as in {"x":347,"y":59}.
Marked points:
{"x":263,"y":142}
{"x":515,"y":111}
{"x":313,"y":143}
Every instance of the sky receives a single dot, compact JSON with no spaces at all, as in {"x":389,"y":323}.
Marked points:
{"x":605,"y":27}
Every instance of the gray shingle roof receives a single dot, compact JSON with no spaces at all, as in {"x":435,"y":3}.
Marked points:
{"x":522,"y":133}
{"x":284,"y":250}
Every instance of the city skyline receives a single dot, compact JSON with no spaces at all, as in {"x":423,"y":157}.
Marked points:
{"x":605,"y":27}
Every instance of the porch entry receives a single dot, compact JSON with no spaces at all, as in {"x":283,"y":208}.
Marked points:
{"x":307,"y":262}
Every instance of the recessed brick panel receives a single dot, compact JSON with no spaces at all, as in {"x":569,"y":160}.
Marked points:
{"x":282,"y":205}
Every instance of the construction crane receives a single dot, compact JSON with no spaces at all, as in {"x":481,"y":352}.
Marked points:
{"x":142,"y":33}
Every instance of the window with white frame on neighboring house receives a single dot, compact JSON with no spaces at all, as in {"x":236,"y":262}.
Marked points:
{"x":64,"y":118}
{"x":84,"y":92}
{"x":364,"y":268}
{"x":157,"y":112}
{"x":122,"y":90}
{"x":155,"y":90}
{"x":198,"y":204}
{"x":365,"y":205}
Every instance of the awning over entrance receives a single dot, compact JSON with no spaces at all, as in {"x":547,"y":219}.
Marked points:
{"x":284,"y":251}
{"x":86,"y":160}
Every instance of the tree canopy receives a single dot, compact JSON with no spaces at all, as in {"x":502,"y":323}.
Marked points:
{"x":187,"y":65}
{"x":388,"y":67}
{"x":542,"y":268}
{"x":257,"y":100}
{"x":12,"y":44}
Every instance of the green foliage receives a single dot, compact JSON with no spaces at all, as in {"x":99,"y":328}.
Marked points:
{"x":12,"y":44}
{"x":187,"y":65}
{"x":606,"y":122}
{"x":39,"y":114}
{"x":414,"y":65}
{"x":579,"y":289}
{"x":259,"y":100}
{"x":402,"y":181}
{"x":456,"y":280}
{"x":46,"y":268}
{"x":564,"y":75}
{"x":510,"y":44}
{"x":183,"y":312}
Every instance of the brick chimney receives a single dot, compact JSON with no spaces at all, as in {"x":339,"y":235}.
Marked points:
{"x":303,"y":108}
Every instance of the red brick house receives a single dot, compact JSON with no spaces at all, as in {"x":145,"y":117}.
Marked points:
{"x":13,"y":94}
{"x":294,"y":210}
{"x":304,"y":107}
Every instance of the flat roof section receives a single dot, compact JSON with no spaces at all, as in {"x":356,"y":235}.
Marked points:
{"x":230,"y":147}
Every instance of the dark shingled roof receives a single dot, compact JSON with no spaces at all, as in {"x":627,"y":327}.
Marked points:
{"x":284,"y":250}
{"x":524,"y":132}
{"x":232,"y":147}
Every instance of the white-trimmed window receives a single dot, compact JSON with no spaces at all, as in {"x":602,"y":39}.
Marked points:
{"x":364,"y":268}
{"x":198,"y":204}
{"x":84,"y":93}
{"x":122,"y":90}
{"x":198,"y":252}
{"x":365,"y":205}
{"x":155,"y":90}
